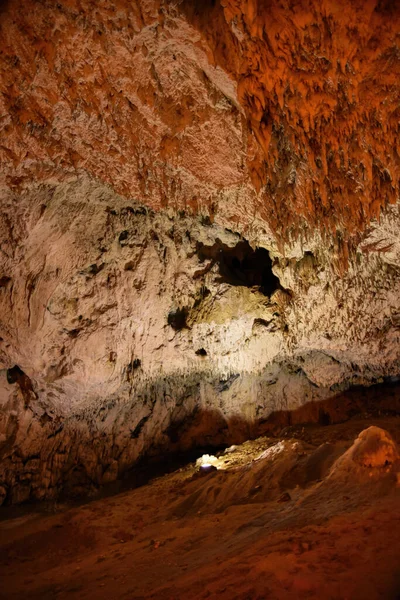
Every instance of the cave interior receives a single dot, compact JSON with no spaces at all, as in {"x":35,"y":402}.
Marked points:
{"x":200,"y":300}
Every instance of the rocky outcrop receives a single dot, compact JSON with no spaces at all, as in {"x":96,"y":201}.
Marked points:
{"x":162,"y":282}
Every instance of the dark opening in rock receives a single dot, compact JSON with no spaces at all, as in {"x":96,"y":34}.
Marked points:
{"x":4,"y":281}
{"x":177,"y":318}
{"x":201,"y":352}
{"x":132,"y":366}
{"x":73,"y":333}
{"x":14,"y":374}
{"x":241,"y":265}
{"x":123,"y":236}
{"x":95,"y":269}
{"x":324,"y":418}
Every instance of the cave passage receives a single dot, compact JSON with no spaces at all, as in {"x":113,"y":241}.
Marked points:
{"x":241,"y":265}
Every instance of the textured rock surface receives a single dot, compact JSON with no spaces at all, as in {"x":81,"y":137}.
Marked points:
{"x":318,"y":82}
{"x":148,"y":149}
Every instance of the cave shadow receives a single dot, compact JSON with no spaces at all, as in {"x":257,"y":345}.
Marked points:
{"x":241,"y":265}
{"x":209,"y":432}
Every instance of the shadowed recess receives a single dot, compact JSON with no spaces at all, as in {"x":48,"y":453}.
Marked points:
{"x":241,"y":265}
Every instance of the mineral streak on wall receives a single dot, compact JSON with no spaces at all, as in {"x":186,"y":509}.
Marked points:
{"x":199,"y":224}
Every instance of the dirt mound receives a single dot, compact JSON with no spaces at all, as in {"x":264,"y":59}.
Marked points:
{"x":285,"y":465}
{"x":280,"y":471}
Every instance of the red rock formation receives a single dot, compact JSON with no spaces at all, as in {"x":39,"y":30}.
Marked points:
{"x":319,"y":82}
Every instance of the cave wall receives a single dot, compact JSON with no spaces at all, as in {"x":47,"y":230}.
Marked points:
{"x":147,"y":149}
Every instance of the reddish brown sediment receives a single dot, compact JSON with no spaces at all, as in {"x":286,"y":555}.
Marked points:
{"x":286,"y":519}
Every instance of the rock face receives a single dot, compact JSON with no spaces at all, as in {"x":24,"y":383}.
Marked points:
{"x":199,"y":226}
{"x":318,"y":82}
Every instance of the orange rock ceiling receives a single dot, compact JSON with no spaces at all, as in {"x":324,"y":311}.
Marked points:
{"x":117,"y":90}
{"x":318,"y":82}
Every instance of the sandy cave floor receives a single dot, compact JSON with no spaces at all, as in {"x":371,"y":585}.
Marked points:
{"x":273,"y":524}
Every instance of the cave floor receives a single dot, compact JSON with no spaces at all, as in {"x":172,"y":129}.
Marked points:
{"x":275,"y":528}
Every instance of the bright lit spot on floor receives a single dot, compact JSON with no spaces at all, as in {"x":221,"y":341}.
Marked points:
{"x":208,"y":460}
